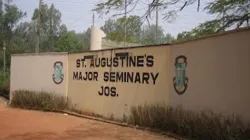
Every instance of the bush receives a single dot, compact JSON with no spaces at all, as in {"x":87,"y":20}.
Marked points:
{"x":4,"y":84}
{"x":38,"y":100}
{"x":5,"y":89}
{"x":204,"y":125}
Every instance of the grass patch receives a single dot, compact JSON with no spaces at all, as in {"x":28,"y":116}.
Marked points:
{"x":204,"y":125}
{"x":39,"y":100}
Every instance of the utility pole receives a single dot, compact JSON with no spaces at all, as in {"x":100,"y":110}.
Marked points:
{"x":156,"y":4}
{"x":51,"y":30}
{"x":125,"y":25}
{"x":4,"y":47}
{"x":38,"y":27}
{"x":93,"y":20}
{"x":4,"y":59}
{"x":156,"y":24}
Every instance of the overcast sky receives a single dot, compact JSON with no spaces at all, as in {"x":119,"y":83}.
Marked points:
{"x":77,"y":14}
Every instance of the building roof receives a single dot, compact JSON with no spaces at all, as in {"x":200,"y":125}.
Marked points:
{"x":108,"y":44}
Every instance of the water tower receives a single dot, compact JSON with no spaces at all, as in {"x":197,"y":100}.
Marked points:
{"x":96,"y":38}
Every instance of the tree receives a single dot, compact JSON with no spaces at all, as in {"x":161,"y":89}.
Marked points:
{"x":110,"y":29}
{"x":84,"y":39}
{"x":204,"y":29}
{"x":20,"y":38}
{"x":9,"y":18}
{"x":62,"y":29}
{"x":230,"y":13}
{"x":168,"y":38}
{"x":185,"y":36}
{"x":148,"y":36}
{"x":55,"y":35}
{"x":104,"y":7}
{"x":133,"y":28}
{"x":50,"y":26}
{"x":115,"y":29}
{"x":68,"y":42}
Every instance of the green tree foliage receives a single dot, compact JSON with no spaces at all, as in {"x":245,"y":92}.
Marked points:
{"x":50,"y":26}
{"x":133,"y":26}
{"x":53,"y":34}
{"x":230,"y":14}
{"x":105,"y":6}
{"x":115,"y":29}
{"x":68,"y":42}
{"x":204,"y":29}
{"x":168,"y":38}
{"x":110,"y":29}
{"x":149,"y":37}
{"x":62,"y":29}
{"x":20,"y":37}
{"x":84,"y":39}
{"x":9,"y":17}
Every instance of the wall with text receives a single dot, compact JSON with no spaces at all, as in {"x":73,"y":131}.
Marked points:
{"x":112,"y":81}
{"x":208,"y":73}
{"x":41,"y":72}
{"x":212,"y":73}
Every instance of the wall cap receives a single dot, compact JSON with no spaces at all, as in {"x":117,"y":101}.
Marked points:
{"x":214,"y":35}
{"x":40,"y":54}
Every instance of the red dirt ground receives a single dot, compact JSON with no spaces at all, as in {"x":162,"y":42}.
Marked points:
{"x":17,"y":124}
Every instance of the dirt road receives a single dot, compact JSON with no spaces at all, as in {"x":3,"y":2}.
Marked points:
{"x":16,"y":124}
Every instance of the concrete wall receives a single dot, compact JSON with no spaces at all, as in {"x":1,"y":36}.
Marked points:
{"x":213,"y":73}
{"x":35,"y":72}
{"x":149,"y":85}
{"x":218,"y":72}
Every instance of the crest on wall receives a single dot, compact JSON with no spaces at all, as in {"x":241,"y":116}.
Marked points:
{"x":180,"y":81}
{"x":58,"y":74}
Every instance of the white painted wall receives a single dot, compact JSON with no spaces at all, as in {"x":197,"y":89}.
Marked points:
{"x":34,"y":72}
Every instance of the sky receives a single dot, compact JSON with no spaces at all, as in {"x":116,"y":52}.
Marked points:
{"x":77,"y":14}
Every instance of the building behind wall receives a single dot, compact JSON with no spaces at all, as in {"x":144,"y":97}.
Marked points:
{"x":108,"y":44}
{"x":98,"y":41}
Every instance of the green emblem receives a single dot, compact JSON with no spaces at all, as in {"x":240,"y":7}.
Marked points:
{"x":58,"y":74}
{"x":180,"y":80}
